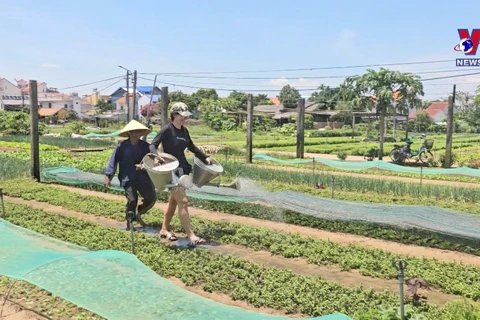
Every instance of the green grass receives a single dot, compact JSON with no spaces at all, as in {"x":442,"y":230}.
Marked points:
{"x":62,"y":142}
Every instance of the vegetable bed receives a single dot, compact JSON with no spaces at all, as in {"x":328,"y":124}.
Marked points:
{"x":453,"y":278}
{"x":260,"y":286}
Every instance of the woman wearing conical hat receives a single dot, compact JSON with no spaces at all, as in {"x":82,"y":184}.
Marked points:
{"x":175,"y":138}
{"x":126,"y":156}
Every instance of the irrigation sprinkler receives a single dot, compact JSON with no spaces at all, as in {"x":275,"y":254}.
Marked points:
{"x":3,"y":205}
{"x":333,"y":185}
{"x":401,"y":265}
{"x":130,"y":219}
{"x":421,"y":174}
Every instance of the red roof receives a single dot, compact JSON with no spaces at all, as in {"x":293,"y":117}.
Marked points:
{"x":432,"y":110}
{"x":47,"y":112}
{"x":275,"y":101}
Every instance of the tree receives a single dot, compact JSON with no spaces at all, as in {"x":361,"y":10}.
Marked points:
{"x":261,"y":99}
{"x":477,"y":97}
{"x":241,"y":97}
{"x":289,"y":97}
{"x":326,"y":97}
{"x":103,"y":106}
{"x":385,"y":90}
{"x":202,"y":94}
{"x":179,"y":96}
{"x":72,"y":115}
{"x":423,"y":121}
{"x":464,"y":101}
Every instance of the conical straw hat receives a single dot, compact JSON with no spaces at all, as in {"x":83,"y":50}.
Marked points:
{"x":134,"y":126}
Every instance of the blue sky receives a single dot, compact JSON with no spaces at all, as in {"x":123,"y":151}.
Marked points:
{"x":67,"y":43}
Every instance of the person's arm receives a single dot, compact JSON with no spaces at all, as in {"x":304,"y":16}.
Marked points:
{"x":157,"y":141}
{"x":112,"y":165}
{"x":193,"y":148}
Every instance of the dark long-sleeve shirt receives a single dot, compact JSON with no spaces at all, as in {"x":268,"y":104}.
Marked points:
{"x":126,"y":156}
{"x":174,"y":141}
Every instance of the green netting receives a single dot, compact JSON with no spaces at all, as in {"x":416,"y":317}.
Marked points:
{"x":110,"y":135}
{"x":112,"y":284}
{"x":458,"y":224}
{"x":377,"y":164}
{"x":73,"y":176}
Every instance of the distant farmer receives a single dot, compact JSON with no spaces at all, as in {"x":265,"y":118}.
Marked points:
{"x":127,"y":155}
{"x":175,"y":138}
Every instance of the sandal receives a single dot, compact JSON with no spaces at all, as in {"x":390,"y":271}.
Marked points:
{"x":197,"y":242}
{"x":169,"y":236}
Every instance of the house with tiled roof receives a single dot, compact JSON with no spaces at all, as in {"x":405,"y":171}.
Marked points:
{"x":24,"y":86}
{"x":436,"y":111}
{"x":11,"y":97}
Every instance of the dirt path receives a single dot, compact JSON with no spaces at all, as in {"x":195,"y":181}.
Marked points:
{"x":310,"y":155}
{"x":14,"y":311}
{"x":297,"y":265}
{"x":341,"y":238}
{"x":371,"y":176}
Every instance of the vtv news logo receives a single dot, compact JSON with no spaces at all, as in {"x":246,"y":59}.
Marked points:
{"x":469,"y":43}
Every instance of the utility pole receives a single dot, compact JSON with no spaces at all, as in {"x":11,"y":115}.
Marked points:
{"x":34,"y":135}
{"x":128,"y":96}
{"x":300,"y":127}
{"x":448,"y":145}
{"x":164,"y":106}
{"x":134,"y":108}
{"x":454,"y":93}
{"x":249,"y":127}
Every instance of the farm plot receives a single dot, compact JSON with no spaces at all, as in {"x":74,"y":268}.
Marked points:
{"x":259,"y":286}
{"x":268,"y":259}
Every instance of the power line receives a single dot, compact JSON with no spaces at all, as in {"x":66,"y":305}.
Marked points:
{"x":305,"y":69}
{"x":90,"y":83}
{"x":121,"y":79}
{"x":305,"y":77}
{"x":276,"y":90}
{"x":454,"y":76}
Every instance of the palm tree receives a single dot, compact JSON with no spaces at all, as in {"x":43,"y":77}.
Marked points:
{"x":386,"y":91}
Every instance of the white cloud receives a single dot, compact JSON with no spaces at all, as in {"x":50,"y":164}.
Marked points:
{"x":346,"y":40}
{"x":297,"y":83}
{"x":50,"y":65}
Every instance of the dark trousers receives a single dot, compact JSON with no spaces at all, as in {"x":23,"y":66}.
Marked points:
{"x":146,"y":190}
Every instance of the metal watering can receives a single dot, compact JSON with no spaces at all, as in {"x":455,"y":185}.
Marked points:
{"x":202,"y":173}
{"x":161,"y":175}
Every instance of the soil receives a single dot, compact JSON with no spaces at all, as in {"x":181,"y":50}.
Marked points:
{"x":376,"y":176}
{"x":14,"y":311}
{"x":9,"y":149}
{"x":297,"y":265}
{"x":341,"y":238}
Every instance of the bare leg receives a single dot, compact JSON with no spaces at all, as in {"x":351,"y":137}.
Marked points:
{"x":172,"y":205}
{"x":182,"y":201}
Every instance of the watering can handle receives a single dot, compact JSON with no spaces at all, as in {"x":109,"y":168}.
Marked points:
{"x":154,"y":156}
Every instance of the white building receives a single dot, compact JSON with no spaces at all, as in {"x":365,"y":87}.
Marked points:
{"x":25,"y":86}
{"x":81,"y":105}
{"x":11,"y":97}
{"x":145,"y":100}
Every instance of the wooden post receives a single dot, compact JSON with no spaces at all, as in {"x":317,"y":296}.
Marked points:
{"x":34,"y":139}
{"x":249,"y":128}
{"x":300,"y":127}
{"x":448,"y":145}
{"x":164,"y":106}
